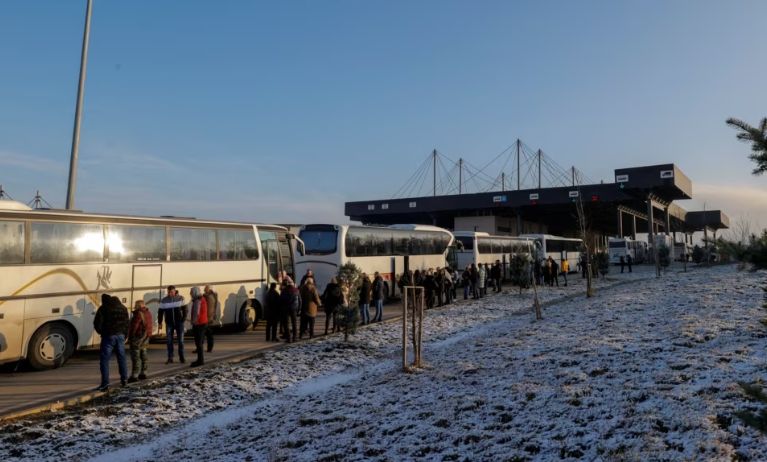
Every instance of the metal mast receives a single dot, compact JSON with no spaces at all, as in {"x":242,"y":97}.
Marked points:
{"x":78,"y":110}
{"x":434,"y":164}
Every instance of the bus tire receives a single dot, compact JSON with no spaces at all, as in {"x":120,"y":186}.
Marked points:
{"x":50,"y":346}
{"x":247,"y":317}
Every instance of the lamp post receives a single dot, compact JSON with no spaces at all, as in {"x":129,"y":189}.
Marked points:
{"x":72,"y":185}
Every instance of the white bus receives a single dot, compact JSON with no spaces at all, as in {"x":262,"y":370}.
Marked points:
{"x":55,"y":264}
{"x":389,"y":250}
{"x":622,"y":247}
{"x":559,"y":248}
{"x":480,"y":247}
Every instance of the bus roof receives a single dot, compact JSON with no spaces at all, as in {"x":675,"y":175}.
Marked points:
{"x":550,"y":236}
{"x":70,"y":215}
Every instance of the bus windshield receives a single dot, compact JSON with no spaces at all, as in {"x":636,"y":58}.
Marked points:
{"x":319,"y":241}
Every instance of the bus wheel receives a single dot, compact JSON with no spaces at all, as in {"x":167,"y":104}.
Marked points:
{"x":247,"y":316}
{"x":50,"y":346}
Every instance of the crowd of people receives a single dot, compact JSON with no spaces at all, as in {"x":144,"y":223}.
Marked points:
{"x":290,"y":310}
{"x":116,"y":327}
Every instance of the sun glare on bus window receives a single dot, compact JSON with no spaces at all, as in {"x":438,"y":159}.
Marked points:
{"x":90,"y":242}
{"x":115,"y":242}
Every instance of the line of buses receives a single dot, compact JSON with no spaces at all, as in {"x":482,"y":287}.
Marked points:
{"x":55,"y":264}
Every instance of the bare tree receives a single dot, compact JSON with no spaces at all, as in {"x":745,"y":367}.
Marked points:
{"x":584,"y":228}
{"x":741,"y":230}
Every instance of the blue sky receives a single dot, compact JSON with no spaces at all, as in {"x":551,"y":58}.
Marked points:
{"x":281,"y":111}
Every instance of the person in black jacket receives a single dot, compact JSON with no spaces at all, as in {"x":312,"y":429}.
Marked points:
{"x":272,"y":313}
{"x":111,"y":323}
{"x":332,"y":299}
{"x":379,"y":292}
{"x":495,"y":274}
{"x":364,"y":303}
{"x":290,"y":305}
{"x":173,"y":311}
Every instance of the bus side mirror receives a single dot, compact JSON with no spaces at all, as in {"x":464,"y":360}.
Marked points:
{"x":300,"y":247}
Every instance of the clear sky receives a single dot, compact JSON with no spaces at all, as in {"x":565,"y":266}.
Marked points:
{"x":281,"y":111}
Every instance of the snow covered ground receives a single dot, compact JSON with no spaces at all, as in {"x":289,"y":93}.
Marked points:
{"x":643,"y":371}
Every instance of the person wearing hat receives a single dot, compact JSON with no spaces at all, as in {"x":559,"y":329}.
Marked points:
{"x":173,"y":311}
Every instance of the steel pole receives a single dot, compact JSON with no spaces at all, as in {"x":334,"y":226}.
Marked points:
{"x":72,"y":185}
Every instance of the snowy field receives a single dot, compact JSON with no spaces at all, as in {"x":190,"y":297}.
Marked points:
{"x":643,"y":371}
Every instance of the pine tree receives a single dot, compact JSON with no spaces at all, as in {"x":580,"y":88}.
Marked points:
{"x":349,"y":317}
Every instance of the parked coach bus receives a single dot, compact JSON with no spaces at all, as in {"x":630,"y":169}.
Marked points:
{"x":622,"y":247}
{"x":479,"y":247}
{"x":390,"y":250}
{"x":559,"y":248}
{"x":55,"y":264}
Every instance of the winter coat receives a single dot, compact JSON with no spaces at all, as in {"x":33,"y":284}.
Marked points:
{"x":310,"y":300}
{"x":565,"y":266}
{"x":290,"y":301}
{"x":140,"y":329}
{"x":111,"y":317}
{"x":272,"y":309}
{"x":365,"y":288}
{"x":172,"y":309}
{"x":199,"y":308}
{"x":495,"y":272}
{"x":378,"y":288}
{"x":482,"y":276}
{"x":211,"y":299}
{"x":332,"y":298}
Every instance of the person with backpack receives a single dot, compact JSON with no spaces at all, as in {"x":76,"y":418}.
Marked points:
{"x":139,"y":332}
{"x":199,"y":313}
{"x":332,"y":299}
{"x":290,"y":306}
{"x":379,"y":290}
{"x":111,"y":323}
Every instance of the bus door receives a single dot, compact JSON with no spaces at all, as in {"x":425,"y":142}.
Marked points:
{"x":147,"y":285}
{"x":270,"y":247}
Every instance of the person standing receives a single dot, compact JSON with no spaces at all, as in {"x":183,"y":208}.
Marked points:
{"x":565,"y":269}
{"x":111,"y":323}
{"x":272,"y":312}
{"x":379,"y":290}
{"x":474,"y":281}
{"x":622,"y":262}
{"x":554,"y":272}
{"x":211,"y":299}
{"x":629,"y":260}
{"x":482,"y":280}
{"x":466,"y":281}
{"x":429,"y":288}
{"x":584,"y":265}
{"x":290,"y":305}
{"x":447,"y":284}
{"x":331,"y":302}
{"x":138,"y":340}
{"x":173,"y":311}
{"x":310,"y":304}
{"x":199,"y":323}
{"x":364,"y":303}
{"x":309,"y":274}
{"x":495,"y":273}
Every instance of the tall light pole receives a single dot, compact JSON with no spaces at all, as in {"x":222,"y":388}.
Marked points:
{"x":72,"y":185}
